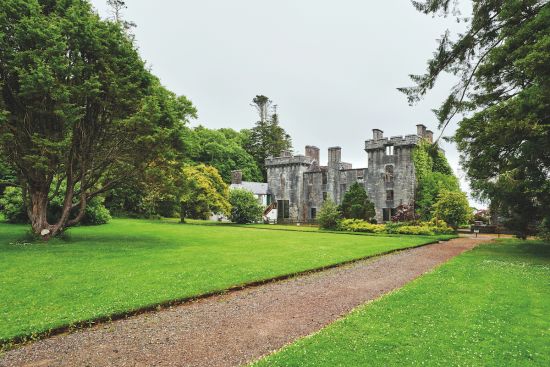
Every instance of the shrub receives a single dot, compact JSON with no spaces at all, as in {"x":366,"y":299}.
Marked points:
{"x":13,"y":207}
{"x":244,"y":207}
{"x":357,"y":225}
{"x":453,"y":208}
{"x":329,"y":215}
{"x":544,"y":230}
{"x":356,"y":204}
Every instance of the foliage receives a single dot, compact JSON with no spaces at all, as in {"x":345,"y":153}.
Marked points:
{"x":453,"y":208}
{"x":12,"y":206}
{"x":434,"y":175}
{"x":421,"y":228}
{"x":419,"y":322}
{"x":503,"y":92}
{"x":329,"y":215}
{"x":7,"y":176}
{"x":267,"y":137}
{"x":356,"y":203}
{"x":404,"y":213}
{"x":358,"y":225}
{"x":222,"y":149}
{"x":44,"y":287}
{"x":544,"y":230}
{"x":15,"y":211}
{"x":78,"y":106}
{"x":203,"y":193}
{"x":245,"y":208}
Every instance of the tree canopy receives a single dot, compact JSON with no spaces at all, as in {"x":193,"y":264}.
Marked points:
{"x":79,"y":109}
{"x":267,"y":137}
{"x":503,"y":95}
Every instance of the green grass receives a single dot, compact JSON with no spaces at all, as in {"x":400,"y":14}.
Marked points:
{"x":131,"y":264}
{"x":487,"y":307}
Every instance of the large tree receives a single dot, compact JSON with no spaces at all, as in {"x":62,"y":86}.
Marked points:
{"x":267,"y":137}
{"x":79,"y":112}
{"x":356,"y":203}
{"x":503,"y":96}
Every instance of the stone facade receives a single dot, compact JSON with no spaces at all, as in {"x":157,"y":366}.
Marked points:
{"x":300,"y":184}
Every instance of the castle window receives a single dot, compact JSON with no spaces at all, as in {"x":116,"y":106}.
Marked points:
{"x":325,"y":178}
{"x":389,"y":195}
{"x":388,"y":175}
{"x":324,"y":196}
{"x":283,"y":209}
{"x":313,"y":213}
{"x":389,"y":149}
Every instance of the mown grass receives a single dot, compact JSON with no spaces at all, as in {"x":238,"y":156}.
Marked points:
{"x":131,"y":264}
{"x":487,"y":307}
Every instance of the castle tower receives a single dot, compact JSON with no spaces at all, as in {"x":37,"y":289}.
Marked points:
{"x":391,"y":179}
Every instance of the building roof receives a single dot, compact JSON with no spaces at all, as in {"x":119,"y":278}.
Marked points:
{"x":257,"y":188}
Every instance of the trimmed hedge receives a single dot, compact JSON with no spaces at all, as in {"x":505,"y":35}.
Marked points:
{"x":421,"y":228}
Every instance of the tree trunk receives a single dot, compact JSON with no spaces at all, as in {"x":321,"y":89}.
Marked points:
{"x":38,"y":212}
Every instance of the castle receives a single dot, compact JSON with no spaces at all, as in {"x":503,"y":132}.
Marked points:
{"x":298,"y":185}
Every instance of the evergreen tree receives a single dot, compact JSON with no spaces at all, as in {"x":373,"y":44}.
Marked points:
{"x":356,"y":204}
{"x":267,"y":137}
{"x":503,"y":94}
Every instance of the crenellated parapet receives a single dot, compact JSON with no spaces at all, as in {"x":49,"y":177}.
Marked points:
{"x":288,"y":161}
{"x":397,"y":141}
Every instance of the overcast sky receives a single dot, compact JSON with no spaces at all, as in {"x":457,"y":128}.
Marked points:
{"x":332,"y":67}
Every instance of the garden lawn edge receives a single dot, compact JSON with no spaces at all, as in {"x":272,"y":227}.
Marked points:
{"x":12,"y":343}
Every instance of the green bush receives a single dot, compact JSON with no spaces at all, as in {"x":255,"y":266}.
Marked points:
{"x":12,"y":207}
{"x":421,"y":228}
{"x":357,"y":225}
{"x":244,"y":207}
{"x":453,"y":208}
{"x":356,"y":204}
{"x":329,"y":216}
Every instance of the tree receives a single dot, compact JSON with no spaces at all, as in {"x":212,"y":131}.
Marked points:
{"x":267,"y":137}
{"x":503,"y":94}
{"x":356,"y":204}
{"x":203,"y":192}
{"x":433,"y":175}
{"x":329,"y":215}
{"x":453,"y":208}
{"x":245,"y":208}
{"x":222,"y":149}
{"x":78,"y":107}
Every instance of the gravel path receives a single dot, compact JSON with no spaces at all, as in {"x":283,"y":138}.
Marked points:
{"x":241,"y":326}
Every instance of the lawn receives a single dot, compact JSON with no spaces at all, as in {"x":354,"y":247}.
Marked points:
{"x":131,"y":264}
{"x":487,"y":307}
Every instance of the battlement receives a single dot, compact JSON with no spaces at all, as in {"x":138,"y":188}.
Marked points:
{"x":398,"y":141}
{"x":288,"y":161}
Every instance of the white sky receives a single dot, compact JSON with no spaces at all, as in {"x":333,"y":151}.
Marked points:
{"x":332,"y":67}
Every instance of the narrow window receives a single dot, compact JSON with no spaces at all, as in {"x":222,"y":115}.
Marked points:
{"x":324,"y":196}
{"x":388,"y":175}
{"x":313,"y":213}
{"x":389,"y":149}
{"x":389,"y":195}
{"x":325,"y":178}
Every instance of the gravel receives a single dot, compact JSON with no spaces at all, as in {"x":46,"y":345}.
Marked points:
{"x":240,"y":326}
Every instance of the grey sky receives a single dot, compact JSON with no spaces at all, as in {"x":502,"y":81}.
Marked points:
{"x":332,"y":67}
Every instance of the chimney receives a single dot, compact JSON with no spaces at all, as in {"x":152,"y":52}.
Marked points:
{"x":421,"y":130}
{"x":334,"y":155}
{"x":237,"y":177}
{"x":312,"y":152}
{"x":430,"y":136}
{"x":377,"y":134}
